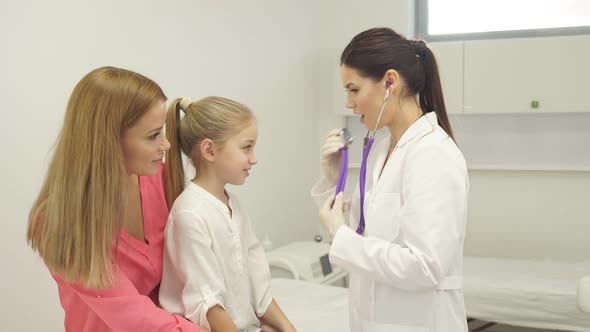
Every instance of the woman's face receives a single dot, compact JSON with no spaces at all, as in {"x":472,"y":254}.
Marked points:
{"x":364,"y":97}
{"x":144,"y":144}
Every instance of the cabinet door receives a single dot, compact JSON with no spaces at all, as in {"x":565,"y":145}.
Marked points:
{"x":449,"y":57}
{"x":545,"y":74}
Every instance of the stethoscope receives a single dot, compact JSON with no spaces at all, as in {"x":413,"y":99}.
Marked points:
{"x":367,"y":144}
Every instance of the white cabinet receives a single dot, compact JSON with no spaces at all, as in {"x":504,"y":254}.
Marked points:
{"x":510,"y":75}
{"x":449,"y":57}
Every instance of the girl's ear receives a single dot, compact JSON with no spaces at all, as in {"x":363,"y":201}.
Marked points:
{"x":207,"y":148}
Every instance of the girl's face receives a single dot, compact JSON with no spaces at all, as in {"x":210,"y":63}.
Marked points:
{"x":364,"y":97}
{"x":144,"y":144}
{"x":236,"y":157}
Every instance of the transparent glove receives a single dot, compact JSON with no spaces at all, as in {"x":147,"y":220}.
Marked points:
{"x":330,"y":157}
{"x":332,"y":214}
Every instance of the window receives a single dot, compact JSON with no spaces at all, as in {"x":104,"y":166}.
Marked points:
{"x":438,"y":20}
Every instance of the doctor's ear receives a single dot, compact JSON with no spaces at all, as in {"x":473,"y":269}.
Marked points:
{"x":391,"y":79}
{"x":207,"y":149}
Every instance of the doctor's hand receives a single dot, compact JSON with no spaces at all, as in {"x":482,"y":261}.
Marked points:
{"x":332,"y":215}
{"x":330,"y":157}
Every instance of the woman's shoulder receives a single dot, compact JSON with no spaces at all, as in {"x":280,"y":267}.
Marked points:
{"x":192,"y":200}
{"x":192,"y":210}
{"x":437,"y":147}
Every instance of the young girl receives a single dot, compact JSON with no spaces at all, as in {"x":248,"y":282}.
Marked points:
{"x":215,"y":271}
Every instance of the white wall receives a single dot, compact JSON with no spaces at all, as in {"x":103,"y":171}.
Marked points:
{"x":191,"y":48}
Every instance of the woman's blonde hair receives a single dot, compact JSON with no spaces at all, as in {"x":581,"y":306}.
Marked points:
{"x":215,"y":118}
{"x":79,"y":209}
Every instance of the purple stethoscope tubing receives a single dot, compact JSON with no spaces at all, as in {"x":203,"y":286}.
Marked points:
{"x":368,"y":143}
{"x":362,"y":178}
{"x":343,"y":170}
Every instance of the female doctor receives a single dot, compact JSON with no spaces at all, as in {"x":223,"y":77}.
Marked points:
{"x":405,"y":264}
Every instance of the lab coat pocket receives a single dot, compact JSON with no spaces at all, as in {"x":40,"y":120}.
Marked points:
{"x":404,"y":310}
{"x":382,"y":216}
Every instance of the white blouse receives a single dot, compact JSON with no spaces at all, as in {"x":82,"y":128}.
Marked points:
{"x":212,"y":258}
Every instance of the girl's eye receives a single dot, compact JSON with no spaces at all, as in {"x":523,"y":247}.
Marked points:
{"x":247,"y":147}
{"x":154,"y":136}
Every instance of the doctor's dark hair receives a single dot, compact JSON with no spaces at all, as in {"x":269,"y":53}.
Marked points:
{"x":375,"y":51}
{"x":214,"y":118}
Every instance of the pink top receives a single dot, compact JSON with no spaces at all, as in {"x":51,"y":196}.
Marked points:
{"x":131,"y":303}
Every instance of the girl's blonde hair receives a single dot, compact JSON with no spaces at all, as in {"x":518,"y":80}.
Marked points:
{"x":79,"y":209}
{"x":215,"y":118}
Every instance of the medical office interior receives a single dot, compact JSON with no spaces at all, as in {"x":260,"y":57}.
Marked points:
{"x":518,"y":105}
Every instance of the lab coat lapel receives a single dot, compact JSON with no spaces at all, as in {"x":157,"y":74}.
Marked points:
{"x":380,"y":154}
{"x":423,"y":126}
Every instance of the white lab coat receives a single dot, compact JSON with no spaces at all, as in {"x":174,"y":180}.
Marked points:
{"x":405,"y":272}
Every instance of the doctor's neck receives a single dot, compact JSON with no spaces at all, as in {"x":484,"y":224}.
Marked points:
{"x":406,"y":112}
{"x":207,"y":179}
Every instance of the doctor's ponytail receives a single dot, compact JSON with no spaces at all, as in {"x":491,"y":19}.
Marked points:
{"x":430,"y":95}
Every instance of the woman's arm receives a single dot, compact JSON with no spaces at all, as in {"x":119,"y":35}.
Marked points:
{"x":191,"y":277}
{"x":120,"y":307}
{"x":267,"y":309}
{"x":219,"y":320}
{"x":276,"y":318}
